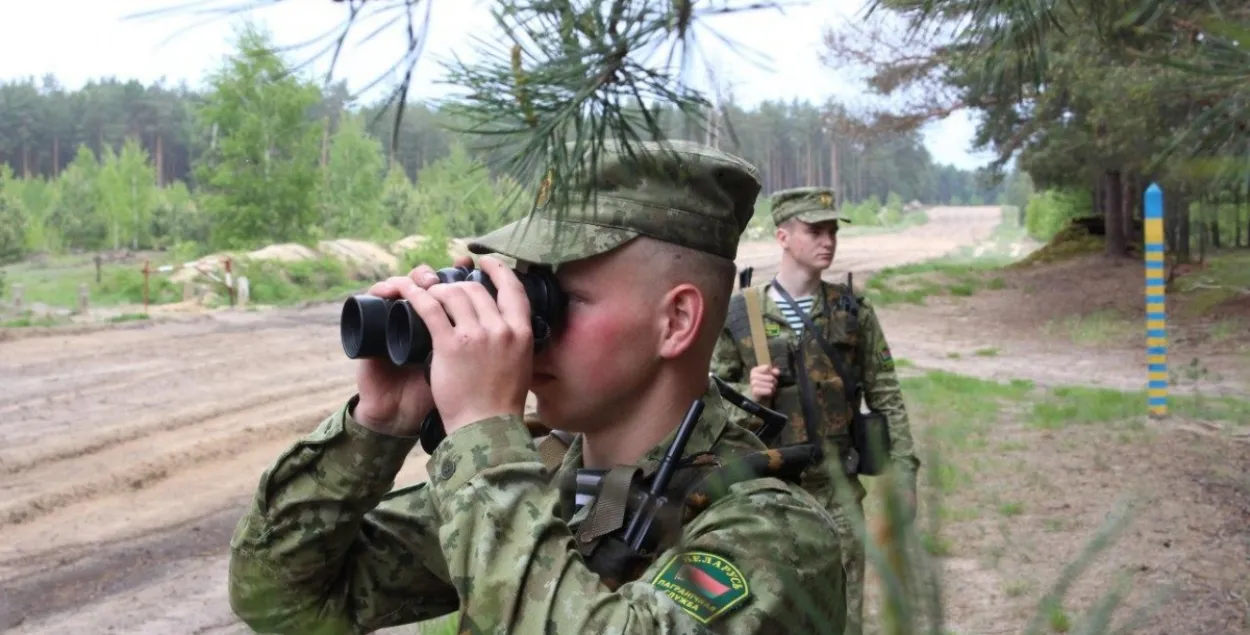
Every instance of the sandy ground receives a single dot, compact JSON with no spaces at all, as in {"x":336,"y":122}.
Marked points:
{"x":127,"y":454}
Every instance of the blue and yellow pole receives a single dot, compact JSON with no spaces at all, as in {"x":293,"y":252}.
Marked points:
{"x":1156,"y":314}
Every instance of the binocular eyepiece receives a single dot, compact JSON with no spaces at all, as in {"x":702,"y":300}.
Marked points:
{"x":373,"y":327}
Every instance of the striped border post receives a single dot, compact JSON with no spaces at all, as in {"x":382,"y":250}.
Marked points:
{"x":1156,"y":314}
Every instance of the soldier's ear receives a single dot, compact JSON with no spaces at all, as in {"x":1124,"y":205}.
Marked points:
{"x":683,"y":310}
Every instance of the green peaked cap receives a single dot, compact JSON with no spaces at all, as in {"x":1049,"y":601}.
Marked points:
{"x":678,"y":192}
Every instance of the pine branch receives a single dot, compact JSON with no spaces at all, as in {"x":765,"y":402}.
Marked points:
{"x":571,"y":77}
{"x":575,"y":76}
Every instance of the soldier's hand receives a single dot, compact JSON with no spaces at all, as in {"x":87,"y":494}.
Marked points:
{"x":483,"y":346}
{"x":763,"y":381}
{"x":395,"y":400}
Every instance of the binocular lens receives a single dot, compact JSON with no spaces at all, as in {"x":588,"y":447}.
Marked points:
{"x":373,"y":327}
{"x":362,"y":326}
{"x":408,"y":342}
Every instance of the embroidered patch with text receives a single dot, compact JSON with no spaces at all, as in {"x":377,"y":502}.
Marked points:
{"x":887,"y":360}
{"x":772,"y":329}
{"x":704,"y":585}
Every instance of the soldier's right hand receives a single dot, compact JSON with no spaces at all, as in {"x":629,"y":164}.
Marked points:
{"x":763,"y":381}
{"x":395,"y":400}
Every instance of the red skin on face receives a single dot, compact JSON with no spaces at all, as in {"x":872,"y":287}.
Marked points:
{"x":603,"y":357}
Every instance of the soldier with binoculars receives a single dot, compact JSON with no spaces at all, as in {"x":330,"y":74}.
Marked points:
{"x":610,"y":320}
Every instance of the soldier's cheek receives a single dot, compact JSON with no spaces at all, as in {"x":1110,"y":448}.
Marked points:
{"x":601,"y":345}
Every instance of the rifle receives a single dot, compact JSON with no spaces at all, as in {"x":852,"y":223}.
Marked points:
{"x":621,"y":554}
{"x":773,"y":422}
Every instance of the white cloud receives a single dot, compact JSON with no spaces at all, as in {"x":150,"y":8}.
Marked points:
{"x":79,"y":40}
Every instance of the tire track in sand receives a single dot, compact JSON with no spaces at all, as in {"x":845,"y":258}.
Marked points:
{"x":151,"y":453}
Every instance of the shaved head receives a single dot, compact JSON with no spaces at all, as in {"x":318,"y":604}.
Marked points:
{"x":712,"y":275}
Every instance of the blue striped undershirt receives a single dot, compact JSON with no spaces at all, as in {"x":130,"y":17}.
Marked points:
{"x":796,"y":322}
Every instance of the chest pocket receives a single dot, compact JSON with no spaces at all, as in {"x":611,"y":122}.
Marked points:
{"x":830,"y":398}
{"x":782,"y":351}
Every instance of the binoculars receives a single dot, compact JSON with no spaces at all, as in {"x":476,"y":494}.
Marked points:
{"x":373,"y":327}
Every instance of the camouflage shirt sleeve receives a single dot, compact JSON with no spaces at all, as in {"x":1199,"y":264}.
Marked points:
{"x":319,"y":551}
{"x":884,"y":394}
{"x":513,"y":560}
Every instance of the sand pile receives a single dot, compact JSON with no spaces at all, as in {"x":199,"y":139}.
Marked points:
{"x":366,"y":259}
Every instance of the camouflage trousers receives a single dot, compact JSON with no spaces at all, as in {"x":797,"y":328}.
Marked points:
{"x":822,"y":487}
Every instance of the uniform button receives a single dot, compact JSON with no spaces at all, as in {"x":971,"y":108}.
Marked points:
{"x":447,"y":470}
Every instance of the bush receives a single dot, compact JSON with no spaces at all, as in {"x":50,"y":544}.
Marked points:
{"x":271,"y":282}
{"x":1049,"y":212}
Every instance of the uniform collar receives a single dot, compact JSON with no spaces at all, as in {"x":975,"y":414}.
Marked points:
{"x":707,"y":432}
{"x":772,"y":309}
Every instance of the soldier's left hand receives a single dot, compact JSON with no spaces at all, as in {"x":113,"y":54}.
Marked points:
{"x":483,"y":347}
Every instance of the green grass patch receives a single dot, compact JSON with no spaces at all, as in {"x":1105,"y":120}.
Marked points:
{"x":960,"y":274}
{"x":56,"y":281}
{"x":1075,"y":405}
{"x":284,"y":283}
{"x":1096,"y":328}
{"x":1225,"y":278}
{"x":914,"y":283}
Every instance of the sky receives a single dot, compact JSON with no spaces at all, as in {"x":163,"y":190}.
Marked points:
{"x":111,"y":39}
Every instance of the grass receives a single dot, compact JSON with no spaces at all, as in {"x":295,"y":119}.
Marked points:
{"x":960,"y":274}
{"x":977,"y":478}
{"x":1097,"y":328}
{"x":55,"y":281}
{"x":1225,"y":277}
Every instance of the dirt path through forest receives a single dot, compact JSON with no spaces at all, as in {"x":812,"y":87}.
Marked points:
{"x":127,"y":454}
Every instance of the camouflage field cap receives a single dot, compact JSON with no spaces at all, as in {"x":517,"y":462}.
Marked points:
{"x":678,"y":192}
{"x":808,"y":204}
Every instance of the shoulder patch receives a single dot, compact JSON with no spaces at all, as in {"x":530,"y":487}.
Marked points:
{"x":704,"y":585}
{"x":886,"y":359}
{"x":771,"y":329}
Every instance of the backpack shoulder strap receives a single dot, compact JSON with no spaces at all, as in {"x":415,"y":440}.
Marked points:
{"x":737,"y":320}
{"x":755,"y":318}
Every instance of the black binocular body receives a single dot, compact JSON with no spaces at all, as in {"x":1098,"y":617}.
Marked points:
{"x":373,"y":327}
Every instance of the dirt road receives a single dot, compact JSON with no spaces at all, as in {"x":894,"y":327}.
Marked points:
{"x":127,"y":454}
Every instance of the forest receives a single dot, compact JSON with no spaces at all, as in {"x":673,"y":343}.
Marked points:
{"x":1093,"y":100}
{"x":260,"y":155}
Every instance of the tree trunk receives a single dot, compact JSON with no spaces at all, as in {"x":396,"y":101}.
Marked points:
{"x":56,"y":156}
{"x":1113,"y":210}
{"x":160,"y":161}
{"x":834,"y":176}
{"x":1237,"y":217}
{"x":1127,"y":191}
{"x":1182,"y":225}
{"x":1215,"y":226}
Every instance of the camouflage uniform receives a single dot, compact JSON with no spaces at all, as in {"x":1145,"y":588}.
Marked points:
{"x":326,"y":547}
{"x":865,"y":351}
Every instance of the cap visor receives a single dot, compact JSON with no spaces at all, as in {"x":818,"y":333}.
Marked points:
{"x":822,"y":216}
{"x":545,"y":241}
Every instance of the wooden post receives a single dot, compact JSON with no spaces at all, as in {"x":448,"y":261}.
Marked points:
{"x":17,"y":297}
{"x":1156,"y":313}
{"x":98,"y":262}
{"x":83,"y":298}
{"x":147,"y":271}
{"x":243,"y":291}
{"x":229,"y":282}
